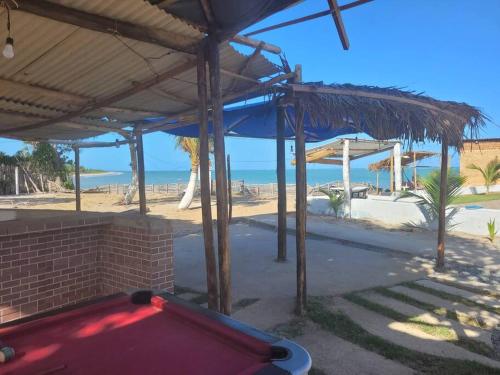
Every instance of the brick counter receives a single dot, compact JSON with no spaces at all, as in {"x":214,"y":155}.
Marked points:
{"x":51,"y":261}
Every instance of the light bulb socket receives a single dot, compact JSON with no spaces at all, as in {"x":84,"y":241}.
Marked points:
{"x":10,"y":41}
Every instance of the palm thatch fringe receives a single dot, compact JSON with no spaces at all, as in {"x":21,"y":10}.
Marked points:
{"x":406,"y":159}
{"x":389,"y":113}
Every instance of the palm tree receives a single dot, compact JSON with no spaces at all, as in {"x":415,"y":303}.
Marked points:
{"x":430,"y":197}
{"x":491,"y":173}
{"x":192,"y":147}
{"x":335,"y":200}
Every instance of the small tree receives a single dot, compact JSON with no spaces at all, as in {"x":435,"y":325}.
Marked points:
{"x":431,"y":184}
{"x":335,"y":200}
{"x":491,"y":173}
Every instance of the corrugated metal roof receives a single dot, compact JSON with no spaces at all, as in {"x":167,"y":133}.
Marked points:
{"x":80,"y":66}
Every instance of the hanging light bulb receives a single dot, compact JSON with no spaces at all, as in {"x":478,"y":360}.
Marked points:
{"x":8,"y":50}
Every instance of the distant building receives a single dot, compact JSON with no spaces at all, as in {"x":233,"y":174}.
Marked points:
{"x":478,"y":152}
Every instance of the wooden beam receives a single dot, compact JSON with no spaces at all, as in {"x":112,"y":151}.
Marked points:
{"x":372,"y":95}
{"x":443,"y":190}
{"x":306,"y":18}
{"x":221,"y":178}
{"x":78,"y":204}
{"x":141,"y":171}
{"x":327,"y":161}
{"x":94,"y":22}
{"x":339,"y":23}
{"x":72,"y":124}
{"x":300,"y":201}
{"x":178,"y":69}
{"x":239,"y":76}
{"x":79,"y":145}
{"x":69,"y":98}
{"x":206,"y":206}
{"x":249,"y":42}
{"x":281,"y":178}
{"x":374,"y":152}
{"x":208,"y":13}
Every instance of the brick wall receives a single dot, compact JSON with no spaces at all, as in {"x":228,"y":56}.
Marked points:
{"x":479,"y":153}
{"x":46,"y":264}
{"x":137,"y":256}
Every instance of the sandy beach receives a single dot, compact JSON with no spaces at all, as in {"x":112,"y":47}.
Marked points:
{"x":185,"y":221}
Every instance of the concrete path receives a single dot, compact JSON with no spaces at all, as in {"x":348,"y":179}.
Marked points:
{"x":332,"y":269}
{"x":336,"y":356}
{"x":474,"y":257}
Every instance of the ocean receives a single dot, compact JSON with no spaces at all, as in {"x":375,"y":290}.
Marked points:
{"x":251,"y":176}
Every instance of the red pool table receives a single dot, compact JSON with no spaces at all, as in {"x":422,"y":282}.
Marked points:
{"x":164,"y":336}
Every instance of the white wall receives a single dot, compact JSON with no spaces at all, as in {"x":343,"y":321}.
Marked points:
{"x":479,"y":189}
{"x":405,"y":211}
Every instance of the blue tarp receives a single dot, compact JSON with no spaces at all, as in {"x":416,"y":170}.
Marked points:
{"x":259,"y":121}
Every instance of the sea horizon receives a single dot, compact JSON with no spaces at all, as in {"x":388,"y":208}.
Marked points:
{"x":250,"y":176}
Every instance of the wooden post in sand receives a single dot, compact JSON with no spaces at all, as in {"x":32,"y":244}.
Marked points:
{"x":77,"y":179}
{"x":301,"y":201}
{"x":442,"y":203}
{"x":415,"y":171}
{"x":281,"y":177}
{"x":206,"y":209}
{"x":220,"y":176}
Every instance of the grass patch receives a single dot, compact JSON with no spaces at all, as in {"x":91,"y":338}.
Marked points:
{"x":344,"y":327}
{"x":452,"y":297}
{"x":440,"y":311}
{"x":468,"y":288}
{"x":244,"y":302}
{"x":476,"y":198}
{"x":290,"y":330}
{"x":436,"y":330}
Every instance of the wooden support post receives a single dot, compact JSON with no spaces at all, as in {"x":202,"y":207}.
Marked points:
{"x":229,"y":188}
{"x":220,"y":177}
{"x":415,"y":171}
{"x":16,"y":178}
{"x":346,"y":174}
{"x":392,"y":172}
{"x":77,"y":179}
{"x":397,"y":168}
{"x":300,"y":202}
{"x":442,"y":203}
{"x":140,"y":171}
{"x":206,"y":207}
{"x":281,"y":177}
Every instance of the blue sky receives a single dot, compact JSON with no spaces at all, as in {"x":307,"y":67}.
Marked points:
{"x":449,"y":49}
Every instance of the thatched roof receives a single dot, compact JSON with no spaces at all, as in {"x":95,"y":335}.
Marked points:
{"x":406,"y":159}
{"x":389,"y":113}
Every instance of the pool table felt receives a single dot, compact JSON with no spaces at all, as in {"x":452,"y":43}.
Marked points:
{"x":118,"y":337}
